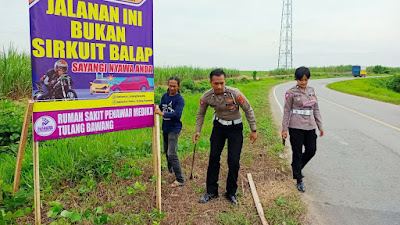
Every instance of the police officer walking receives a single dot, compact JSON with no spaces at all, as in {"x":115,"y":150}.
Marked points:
{"x":227,"y":121}
{"x":301,"y":115}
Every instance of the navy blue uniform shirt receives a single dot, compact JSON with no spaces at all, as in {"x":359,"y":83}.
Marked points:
{"x":172,"y":106}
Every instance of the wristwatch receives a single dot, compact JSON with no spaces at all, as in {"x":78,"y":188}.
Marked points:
{"x":254,"y":131}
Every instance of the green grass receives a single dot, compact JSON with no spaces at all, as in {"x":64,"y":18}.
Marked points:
{"x":284,"y":209}
{"x":236,"y":218}
{"x":373,"y":88}
{"x":83,"y":163}
{"x":70,"y":159}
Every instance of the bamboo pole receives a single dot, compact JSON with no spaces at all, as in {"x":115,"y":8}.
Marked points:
{"x":36,"y":182}
{"x":22,"y":143}
{"x":158,"y":155}
{"x":257,"y":200}
{"x":154,"y":147}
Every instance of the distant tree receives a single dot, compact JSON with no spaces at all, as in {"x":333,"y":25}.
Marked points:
{"x":381,"y":69}
{"x":254,"y":75}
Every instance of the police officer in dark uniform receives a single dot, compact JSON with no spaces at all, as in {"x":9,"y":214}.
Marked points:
{"x":228,"y":124}
{"x":301,"y":116}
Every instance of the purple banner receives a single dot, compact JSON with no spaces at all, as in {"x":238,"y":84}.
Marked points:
{"x":72,"y":123}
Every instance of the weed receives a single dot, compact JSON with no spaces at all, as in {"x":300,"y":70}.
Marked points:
{"x":128,"y":170}
{"x":286,"y":209}
{"x":55,"y":209}
{"x":11,"y":119}
{"x":88,"y":184}
{"x":110,"y":204}
{"x":153,"y":179}
{"x":9,"y":217}
{"x":155,"y":215}
{"x":10,"y":202}
{"x":198,"y":190}
{"x":72,"y":215}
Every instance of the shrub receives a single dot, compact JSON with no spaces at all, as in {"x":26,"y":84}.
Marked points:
{"x":230,"y":82}
{"x":394,"y":83}
{"x":191,"y":86}
{"x":11,"y":120}
{"x":188,"y":84}
{"x":244,"y":80}
{"x":381,"y":69}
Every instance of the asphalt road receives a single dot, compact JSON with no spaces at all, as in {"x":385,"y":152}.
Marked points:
{"x":354,"y":177}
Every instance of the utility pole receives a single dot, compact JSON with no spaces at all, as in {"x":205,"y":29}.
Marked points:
{"x":285,"y":59}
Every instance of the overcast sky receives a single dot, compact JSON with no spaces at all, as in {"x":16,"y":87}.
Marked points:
{"x":245,"y":34}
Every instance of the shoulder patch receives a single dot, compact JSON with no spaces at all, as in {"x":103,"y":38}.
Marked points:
{"x":201,"y":102}
{"x":287,"y":95}
{"x":240,"y":99}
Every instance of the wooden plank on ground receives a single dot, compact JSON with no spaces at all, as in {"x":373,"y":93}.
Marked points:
{"x":257,"y":200}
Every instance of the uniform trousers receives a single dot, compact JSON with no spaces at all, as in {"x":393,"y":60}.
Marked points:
{"x":234,"y":134}
{"x":298,"y":138}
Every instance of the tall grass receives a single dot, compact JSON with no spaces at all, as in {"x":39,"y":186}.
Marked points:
{"x":70,"y":159}
{"x":332,"y":69}
{"x":15,"y":73}
{"x":16,"y":76}
{"x":342,"y":69}
{"x":162,"y":74}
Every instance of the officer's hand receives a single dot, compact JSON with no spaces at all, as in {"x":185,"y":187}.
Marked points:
{"x":196,"y":137}
{"x":321,"y":133}
{"x":253,"y":137}
{"x":284,"y":134}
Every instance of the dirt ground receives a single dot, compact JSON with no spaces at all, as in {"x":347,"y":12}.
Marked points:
{"x":181,"y":204}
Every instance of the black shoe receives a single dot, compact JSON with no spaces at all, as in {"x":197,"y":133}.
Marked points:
{"x":232,"y":199}
{"x":301,"y":187}
{"x":207,"y":197}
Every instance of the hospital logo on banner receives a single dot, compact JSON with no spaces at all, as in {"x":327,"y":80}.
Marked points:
{"x":45,"y":126}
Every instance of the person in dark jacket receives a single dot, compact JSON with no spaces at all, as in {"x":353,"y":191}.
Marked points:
{"x":171,"y":108}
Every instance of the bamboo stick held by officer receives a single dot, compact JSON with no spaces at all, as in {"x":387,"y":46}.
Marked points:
{"x":227,"y":124}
